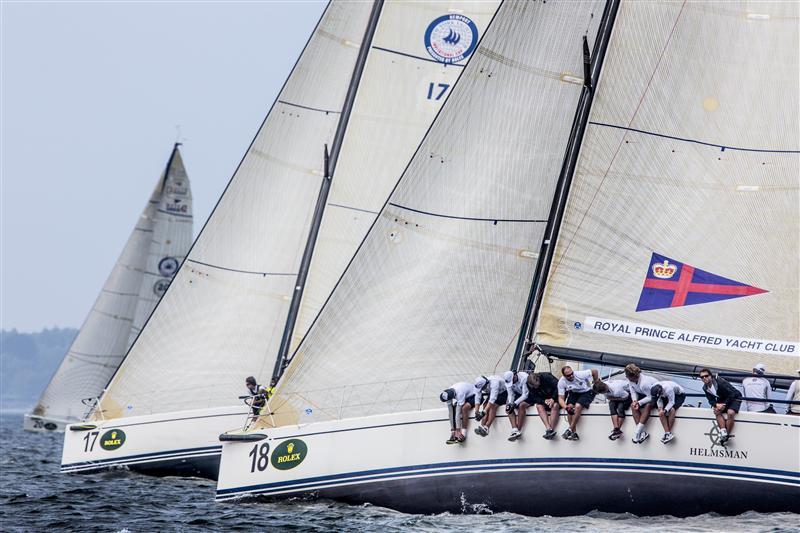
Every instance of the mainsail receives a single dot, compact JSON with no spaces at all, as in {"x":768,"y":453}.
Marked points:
{"x":436,"y":291}
{"x":680,"y":238}
{"x":109,"y":328}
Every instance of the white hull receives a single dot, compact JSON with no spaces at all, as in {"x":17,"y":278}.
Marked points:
{"x":182,"y":443}
{"x":44,"y":424}
{"x":401,"y":461}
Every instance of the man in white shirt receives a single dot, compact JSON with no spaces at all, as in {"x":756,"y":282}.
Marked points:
{"x":639,"y":386}
{"x":494,"y":390}
{"x":517,"y":387}
{"x":619,"y":400}
{"x":460,"y":399}
{"x":574,"y":395}
{"x":668,"y":397}
{"x":793,"y":395}
{"x":756,"y":386}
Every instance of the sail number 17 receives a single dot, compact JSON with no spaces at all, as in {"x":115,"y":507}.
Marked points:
{"x":437,"y":90}
{"x":89,"y":440}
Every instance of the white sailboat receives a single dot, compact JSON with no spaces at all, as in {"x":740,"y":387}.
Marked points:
{"x":355,"y":108}
{"x":151,"y":256}
{"x":674,"y":156}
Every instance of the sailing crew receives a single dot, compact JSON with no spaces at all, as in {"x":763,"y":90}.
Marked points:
{"x":668,"y":397}
{"x":793,"y":394}
{"x":574,"y":395}
{"x":756,"y":386}
{"x":258,"y":395}
{"x":461,"y":397}
{"x":494,"y":390}
{"x":724,"y":399}
{"x":543,"y":393}
{"x":517,"y":387}
{"x":639,"y":386}
{"x":618,"y":395}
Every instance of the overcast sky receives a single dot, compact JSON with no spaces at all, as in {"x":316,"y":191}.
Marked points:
{"x":91,"y":96}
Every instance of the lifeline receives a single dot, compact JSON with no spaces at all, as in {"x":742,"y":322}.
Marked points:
{"x":706,"y":452}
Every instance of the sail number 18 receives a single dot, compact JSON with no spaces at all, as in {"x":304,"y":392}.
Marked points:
{"x":260,"y":455}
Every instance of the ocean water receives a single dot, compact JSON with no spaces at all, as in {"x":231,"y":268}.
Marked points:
{"x":34,"y":496}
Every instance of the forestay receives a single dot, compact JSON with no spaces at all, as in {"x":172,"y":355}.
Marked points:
{"x":108,"y":330}
{"x":680,"y":237}
{"x":223,"y":315}
{"x":436,"y":291}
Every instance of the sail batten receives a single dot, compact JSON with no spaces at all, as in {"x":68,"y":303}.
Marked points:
{"x":680,"y":239}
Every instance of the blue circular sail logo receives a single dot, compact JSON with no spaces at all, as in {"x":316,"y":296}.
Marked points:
{"x":451,"y":38}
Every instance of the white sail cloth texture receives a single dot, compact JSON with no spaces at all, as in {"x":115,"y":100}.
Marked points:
{"x":436,"y":292}
{"x":171,"y":239}
{"x":223,"y":315}
{"x":107,"y":331}
{"x":680,"y":237}
{"x":401,"y":90}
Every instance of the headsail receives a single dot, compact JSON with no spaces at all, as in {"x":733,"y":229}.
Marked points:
{"x":680,"y":239}
{"x":436,"y":291}
{"x":108,"y":330}
{"x":241,"y":274}
{"x":223,"y":315}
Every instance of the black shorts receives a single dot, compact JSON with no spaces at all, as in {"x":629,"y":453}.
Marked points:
{"x":502,"y":398}
{"x":679,"y":399}
{"x":618,"y":407}
{"x":470,"y":400}
{"x":733,"y":405}
{"x":536,"y":399}
{"x":583,"y":398}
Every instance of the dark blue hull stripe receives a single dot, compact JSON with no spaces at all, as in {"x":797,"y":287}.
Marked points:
{"x":156,"y":456}
{"x":507,"y":464}
{"x":743,"y":473}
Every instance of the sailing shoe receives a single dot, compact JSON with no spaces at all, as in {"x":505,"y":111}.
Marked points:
{"x":644,"y":436}
{"x":482,"y":431}
{"x":668,"y":436}
{"x":573,"y":435}
{"x":461,"y":438}
{"x":617,"y":433}
{"x":549,"y":434}
{"x":451,"y":440}
{"x":566,"y":434}
{"x":515,"y":434}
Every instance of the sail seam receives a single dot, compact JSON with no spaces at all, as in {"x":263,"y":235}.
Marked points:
{"x":174,"y":214}
{"x":355,"y":209}
{"x":477,"y":219}
{"x":723,"y":147}
{"x":241,"y":271}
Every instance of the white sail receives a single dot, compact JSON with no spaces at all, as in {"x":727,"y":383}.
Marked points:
{"x":107,"y":332}
{"x":436,"y":292}
{"x":223,"y":315}
{"x":402,"y":88}
{"x":171,"y":239}
{"x":680,"y":238}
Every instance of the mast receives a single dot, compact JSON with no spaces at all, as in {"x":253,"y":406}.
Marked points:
{"x":169,"y":163}
{"x":330,"y":159}
{"x":592,"y":64}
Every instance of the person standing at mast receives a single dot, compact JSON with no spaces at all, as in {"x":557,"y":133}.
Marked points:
{"x":639,"y":387}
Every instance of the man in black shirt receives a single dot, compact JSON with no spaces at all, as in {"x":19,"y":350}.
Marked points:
{"x":543,"y":393}
{"x":724,"y":399}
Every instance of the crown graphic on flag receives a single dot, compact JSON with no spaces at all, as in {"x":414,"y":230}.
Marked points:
{"x":670,"y":283}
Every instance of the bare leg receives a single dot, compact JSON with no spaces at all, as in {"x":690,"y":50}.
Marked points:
{"x":671,"y":419}
{"x":729,"y":422}
{"x":664,"y":422}
{"x":465,"y":409}
{"x":554,"y":412}
{"x":523,"y":408}
{"x":491,"y":412}
{"x":615,"y":421}
{"x":574,"y":422}
{"x":543,"y":415}
{"x":637,"y":414}
{"x":721,"y":421}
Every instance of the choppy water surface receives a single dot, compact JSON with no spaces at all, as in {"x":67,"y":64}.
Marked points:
{"x":35,"y":497}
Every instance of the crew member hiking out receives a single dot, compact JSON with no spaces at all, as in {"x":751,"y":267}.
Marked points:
{"x":725,"y":401}
{"x":668,"y":397}
{"x":517,"y":386}
{"x":495,"y":389}
{"x":619,"y":400}
{"x":574,"y":395}
{"x":460,"y":398}
{"x":639,"y":386}
{"x":258,"y":395}
{"x":543,"y":393}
